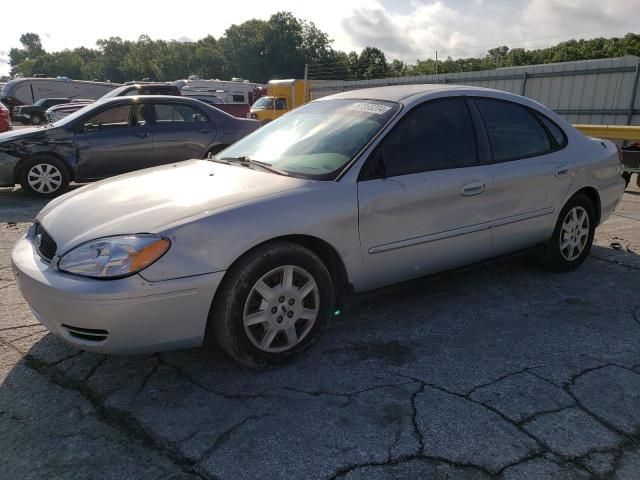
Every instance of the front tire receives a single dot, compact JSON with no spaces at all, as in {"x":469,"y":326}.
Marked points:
{"x":273,"y":303}
{"x":36,"y":119}
{"x":44,"y":177}
{"x":572,"y":237}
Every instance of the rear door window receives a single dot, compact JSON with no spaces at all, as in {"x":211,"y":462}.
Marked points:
{"x":437,"y":135}
{"x":514,"y":132}
{"x":176,"y":113}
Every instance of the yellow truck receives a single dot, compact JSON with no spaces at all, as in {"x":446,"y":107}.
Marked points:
{"x":282,"y":96}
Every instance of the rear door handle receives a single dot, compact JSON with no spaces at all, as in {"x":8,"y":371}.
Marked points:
{"x":204,"y":130}
{"x":473,"y":188}
{"x":142,"y":135}
{"x":562,"y":171}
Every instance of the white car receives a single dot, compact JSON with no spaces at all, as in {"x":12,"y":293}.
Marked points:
{"x":351,"y":192}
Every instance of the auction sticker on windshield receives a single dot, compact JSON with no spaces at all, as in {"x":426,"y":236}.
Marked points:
{"x":370,"y":108}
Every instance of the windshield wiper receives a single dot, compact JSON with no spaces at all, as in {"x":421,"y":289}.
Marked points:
{"x":211,"y":158}
{"x":248,"y":162}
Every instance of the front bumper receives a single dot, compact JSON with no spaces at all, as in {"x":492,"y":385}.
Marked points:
{"x":124,"y":316}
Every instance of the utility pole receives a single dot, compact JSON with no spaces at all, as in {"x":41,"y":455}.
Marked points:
{"x":436,"y":66}
{"x":306,"y":74}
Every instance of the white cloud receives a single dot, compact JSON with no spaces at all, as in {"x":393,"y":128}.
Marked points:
{"x":406,"y":29}
{"x":471,"y":27}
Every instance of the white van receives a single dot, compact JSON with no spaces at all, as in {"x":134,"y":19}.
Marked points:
{"x":26,"y":91}
{"x":235,"y":91}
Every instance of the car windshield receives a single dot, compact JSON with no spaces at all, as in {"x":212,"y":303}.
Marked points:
{"x":263,"y":103}
{"x":316,"y":139}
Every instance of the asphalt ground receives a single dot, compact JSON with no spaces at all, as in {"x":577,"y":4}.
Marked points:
{"x":504,"y":371}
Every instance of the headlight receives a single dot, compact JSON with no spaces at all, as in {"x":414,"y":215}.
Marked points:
{"x":114,"y":257}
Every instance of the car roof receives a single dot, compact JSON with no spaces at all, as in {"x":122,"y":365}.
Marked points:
{"x":148,"y":84}
{"x":145,"y":97}
{"x":402,"y":93}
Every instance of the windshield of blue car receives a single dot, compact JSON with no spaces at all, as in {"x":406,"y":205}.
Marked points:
{"x":316,"y":139}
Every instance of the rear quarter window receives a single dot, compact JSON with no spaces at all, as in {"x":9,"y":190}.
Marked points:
{"x":557,"y":134}
{"x":514,"y":133}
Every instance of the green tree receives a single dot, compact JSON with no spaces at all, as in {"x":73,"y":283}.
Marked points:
{"x":397,"y":68}
{"x":24,"y":60}
{"x":372,"y":63}
{"x":208,"y":61}
{"x":260,"y":50}
{"x":244,"y":52}
{"x":498,"y":55}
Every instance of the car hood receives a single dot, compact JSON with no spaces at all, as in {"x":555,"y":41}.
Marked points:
{"x":20,"y":134}
{"x":148,"y":200}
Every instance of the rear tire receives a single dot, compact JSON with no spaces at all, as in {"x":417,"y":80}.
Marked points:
{"x":627,"y":178}
{"x":45,"y":177}
{"x":572,"y":237}
{"x":272,"y":305}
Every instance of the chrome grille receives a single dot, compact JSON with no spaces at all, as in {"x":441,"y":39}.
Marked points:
{"x":44,"y":243}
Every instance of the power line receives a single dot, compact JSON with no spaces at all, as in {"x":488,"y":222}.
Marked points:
{"x":500,"y":43}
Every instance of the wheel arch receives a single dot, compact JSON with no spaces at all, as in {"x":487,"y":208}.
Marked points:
{"x":18,"y":169}
{"x":327,"y":253}
{"x":593,"y":195}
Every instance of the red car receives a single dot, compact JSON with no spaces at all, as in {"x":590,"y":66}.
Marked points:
{"x":5,"y":119}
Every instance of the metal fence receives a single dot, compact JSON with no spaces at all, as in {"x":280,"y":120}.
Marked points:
{"x":588,"y":92}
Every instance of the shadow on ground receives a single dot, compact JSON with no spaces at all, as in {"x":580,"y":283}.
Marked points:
{"x":503,"y":371}
{"x":16,"y":206}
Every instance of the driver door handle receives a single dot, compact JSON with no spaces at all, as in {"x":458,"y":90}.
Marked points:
{"x":473,"y":188}
{"x":562,"y":171}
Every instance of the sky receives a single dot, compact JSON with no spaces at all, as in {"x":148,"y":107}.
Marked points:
{"x":408,"y":29}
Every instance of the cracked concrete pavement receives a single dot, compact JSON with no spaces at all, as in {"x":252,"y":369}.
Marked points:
{"x":505,"y":371}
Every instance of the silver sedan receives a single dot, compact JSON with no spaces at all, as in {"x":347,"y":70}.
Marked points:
{"x":348,"y":193}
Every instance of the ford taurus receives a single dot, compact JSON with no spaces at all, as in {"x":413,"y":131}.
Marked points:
{"x":348,"y":193}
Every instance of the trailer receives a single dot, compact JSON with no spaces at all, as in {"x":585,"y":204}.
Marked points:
{"x":237,"y":90}
{"x":631,"y":162}
{"x":27,"y":91}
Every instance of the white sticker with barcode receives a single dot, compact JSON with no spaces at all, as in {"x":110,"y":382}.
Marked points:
{"x":370,"y":108}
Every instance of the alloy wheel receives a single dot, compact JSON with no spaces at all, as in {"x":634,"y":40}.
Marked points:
{"x":44,"y":178}
{"x":574,"y":234}
{"x":281,"y":309}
